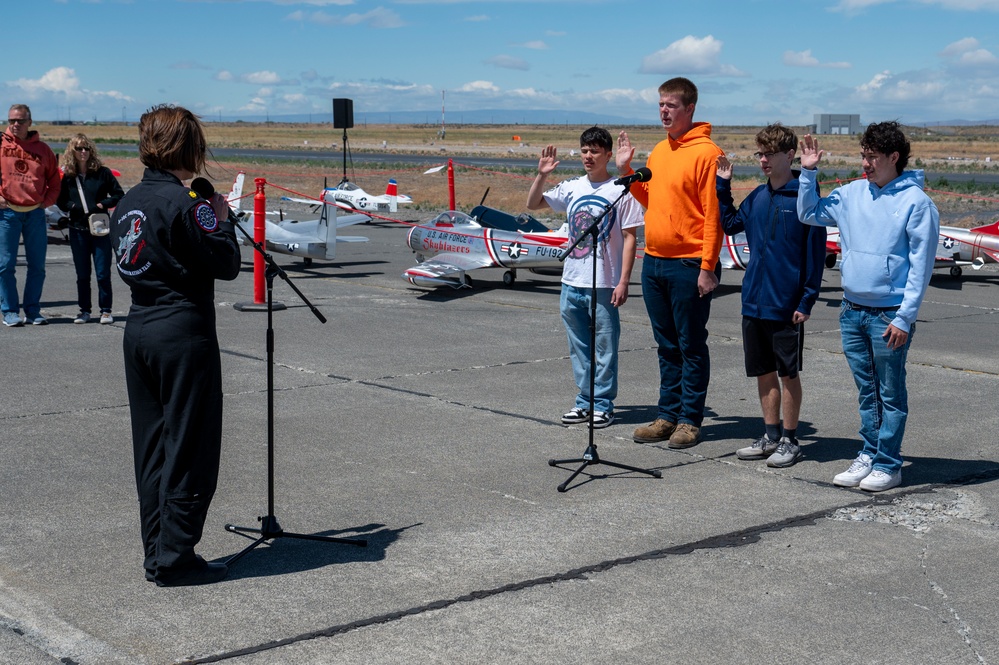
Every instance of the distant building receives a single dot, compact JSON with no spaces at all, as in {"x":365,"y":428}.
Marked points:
{"x":836,"y":123}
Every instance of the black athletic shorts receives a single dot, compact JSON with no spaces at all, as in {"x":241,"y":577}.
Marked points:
{"x":772,"y":346}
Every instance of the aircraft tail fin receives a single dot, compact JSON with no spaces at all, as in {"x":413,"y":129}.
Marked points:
{"x":235,"y":196}
{"x":989,"y":229}
{"x":327,"y":229}
{"x":392,"y":192}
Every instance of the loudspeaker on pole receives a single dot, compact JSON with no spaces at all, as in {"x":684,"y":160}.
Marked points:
{"x":343,"y":113}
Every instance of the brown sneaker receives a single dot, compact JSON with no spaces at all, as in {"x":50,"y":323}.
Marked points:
{"x":657,"y":430}
{"x":684,"y":436}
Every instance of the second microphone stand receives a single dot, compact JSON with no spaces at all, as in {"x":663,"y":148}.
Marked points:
{"x":269,"y":527}
{"x":590,"y":456}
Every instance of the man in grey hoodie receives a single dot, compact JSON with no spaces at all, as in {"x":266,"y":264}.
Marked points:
{"x":889,"y":229}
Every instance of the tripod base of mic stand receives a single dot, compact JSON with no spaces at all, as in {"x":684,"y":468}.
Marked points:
{"x":258,"y":306}
{"x":591,"y":457}
{"x":270,"y":529}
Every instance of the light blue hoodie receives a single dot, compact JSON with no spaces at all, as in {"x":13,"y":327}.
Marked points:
{"x":888,"y":236}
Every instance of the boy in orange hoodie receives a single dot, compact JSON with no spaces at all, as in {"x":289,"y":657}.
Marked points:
{"x":680,"y":270}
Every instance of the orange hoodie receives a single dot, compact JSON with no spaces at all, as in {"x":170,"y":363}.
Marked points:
{"x":29,"y":172}
{"x":682,"y":219}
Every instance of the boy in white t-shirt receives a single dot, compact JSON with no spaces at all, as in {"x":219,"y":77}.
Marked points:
{"x":583,"y":199}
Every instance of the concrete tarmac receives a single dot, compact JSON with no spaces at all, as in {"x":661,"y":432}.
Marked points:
{"x":423,"y":422}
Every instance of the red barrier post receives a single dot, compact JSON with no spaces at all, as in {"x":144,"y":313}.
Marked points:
{"x":450,"y":184}
{"x":259,"y":236}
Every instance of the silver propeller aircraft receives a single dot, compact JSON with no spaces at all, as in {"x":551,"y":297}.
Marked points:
{"x":309,"y":239}
{"x":453,"y":243}
{"x":962,"y":247}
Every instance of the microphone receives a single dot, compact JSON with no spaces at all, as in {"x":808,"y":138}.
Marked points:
{"x":206,"y":190}
{"x":641,"y":175}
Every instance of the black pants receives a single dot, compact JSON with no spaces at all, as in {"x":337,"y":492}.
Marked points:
{"x":174,"y":379}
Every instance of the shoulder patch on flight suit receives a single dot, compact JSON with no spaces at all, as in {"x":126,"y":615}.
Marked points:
{"x":204,"y":215}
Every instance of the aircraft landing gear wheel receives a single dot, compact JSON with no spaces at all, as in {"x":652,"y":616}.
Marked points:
{"x":509,"y":277}
{"x":307,"y":261}
{"x":468,"y":282}
{"x":830,"y":261}
{"x":956,"y":271}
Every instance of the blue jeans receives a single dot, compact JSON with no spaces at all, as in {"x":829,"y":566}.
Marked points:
{"x":86,"y":247}
{"x":36,"y":241}
{"x":879,"y":373}
{"x":575,"y":307}
{"x":679,"y":319}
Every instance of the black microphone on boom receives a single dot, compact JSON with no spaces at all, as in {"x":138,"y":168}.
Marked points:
{"x":641,"y":175}
{"x":206,"y":190}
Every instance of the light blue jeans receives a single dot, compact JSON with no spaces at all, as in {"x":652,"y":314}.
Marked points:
{"x":575,"y":307}
{"x":879,"y":373}
{"x":36,"y":240}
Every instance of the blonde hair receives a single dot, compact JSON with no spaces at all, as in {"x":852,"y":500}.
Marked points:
{"x":68,"y":159}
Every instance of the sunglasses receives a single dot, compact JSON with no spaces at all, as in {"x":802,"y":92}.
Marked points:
{"x":17,"y":121}
{"x":81,"y":148}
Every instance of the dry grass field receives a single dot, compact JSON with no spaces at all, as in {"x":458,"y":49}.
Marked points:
{"x":938,"y":149}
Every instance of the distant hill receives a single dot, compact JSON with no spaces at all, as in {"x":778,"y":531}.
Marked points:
{"x":954,"y":123}
{"x":479,"y":117}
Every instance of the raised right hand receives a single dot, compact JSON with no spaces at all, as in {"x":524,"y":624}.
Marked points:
{"x":724,"y":168}
{"x":548,"y":163}
{"x":810,"y":153}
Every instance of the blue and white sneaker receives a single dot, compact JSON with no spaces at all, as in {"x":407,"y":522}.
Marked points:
{"x":601,"y":419}
{"x":38,"y":320}
{"x":12,"y":320}
{"x":575,"y":415}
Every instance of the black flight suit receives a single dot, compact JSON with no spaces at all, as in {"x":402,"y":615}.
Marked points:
{"x":170,"y":249}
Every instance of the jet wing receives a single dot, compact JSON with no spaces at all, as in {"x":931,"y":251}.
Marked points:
{"x":350,"y":220}
{"x":447,"y":269}
{"x":340,"y":238}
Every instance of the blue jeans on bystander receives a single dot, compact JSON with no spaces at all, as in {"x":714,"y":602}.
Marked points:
{"x":86,"y":248}
{"x":879,"y":373}
{"x":31,"y":225}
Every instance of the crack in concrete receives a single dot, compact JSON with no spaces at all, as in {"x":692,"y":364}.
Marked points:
{"x":740,"y":538}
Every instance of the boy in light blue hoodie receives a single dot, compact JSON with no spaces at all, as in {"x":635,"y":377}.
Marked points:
{"x":889,"y":230}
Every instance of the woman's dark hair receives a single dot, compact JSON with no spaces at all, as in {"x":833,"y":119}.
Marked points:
{"x":172,"y":138}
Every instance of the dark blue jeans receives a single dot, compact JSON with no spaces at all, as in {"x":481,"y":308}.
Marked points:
{"x":679,"y":319}
{"x":86,"y":247}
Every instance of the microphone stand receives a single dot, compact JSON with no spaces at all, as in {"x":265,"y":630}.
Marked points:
{"x":590,"y":456}
{"x":269,"y":527}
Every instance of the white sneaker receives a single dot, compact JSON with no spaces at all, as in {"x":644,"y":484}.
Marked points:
{"x":106,"y":318}
{"x":879,"y":481}
{"x":82,"y":317}
{"x":601,"y":419}
{"x":860,"y":469}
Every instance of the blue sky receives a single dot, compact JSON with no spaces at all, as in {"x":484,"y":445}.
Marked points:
{"x":754,"y":61}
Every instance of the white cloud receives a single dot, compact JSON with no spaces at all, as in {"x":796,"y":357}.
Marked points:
{"x":379,"y":17}
{"x":806,"y":59}
{"x":875,"y":83}
{"x":536,"y":44}
{"x":690,"y":55}
{"x":63,"y":83}
{"x":479,"y":86}
{"x":224,"y":75}
{"x":507,"y":62}
{"x":261,"y":78}
{"x":965,"y":54}
{"x":857,"y":6}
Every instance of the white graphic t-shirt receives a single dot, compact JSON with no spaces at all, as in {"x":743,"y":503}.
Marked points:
{"x":582,"y":201}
